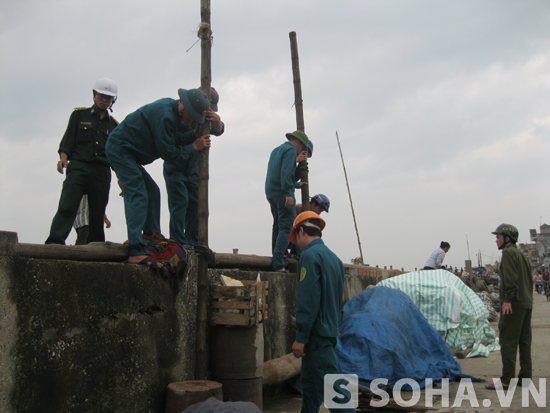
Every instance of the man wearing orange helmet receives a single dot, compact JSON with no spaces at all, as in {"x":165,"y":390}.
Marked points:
{"x":320,"y":291}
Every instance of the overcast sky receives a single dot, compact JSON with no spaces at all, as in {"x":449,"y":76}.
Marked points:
{"x":442,"y":109}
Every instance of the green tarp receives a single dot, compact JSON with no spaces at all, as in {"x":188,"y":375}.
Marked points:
{"x":450,"y":307}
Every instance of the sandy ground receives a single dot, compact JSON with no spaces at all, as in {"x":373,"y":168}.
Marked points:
{"x":485,"y":368}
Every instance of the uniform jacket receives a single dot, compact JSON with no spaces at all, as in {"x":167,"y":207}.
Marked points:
{"x":86,"y":135}
{"x":516,"y":281}
{"x":190,"y":164}
{"x":320,"y":291}
{"x":153,"y":131}
{"x":280,"y":181}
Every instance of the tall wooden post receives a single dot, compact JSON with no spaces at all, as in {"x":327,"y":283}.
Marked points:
{"x":299,"y":105}
{"x":205,"y":34}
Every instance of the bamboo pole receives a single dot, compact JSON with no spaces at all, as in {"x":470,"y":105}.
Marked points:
{"x":350,"y":201}
{"x":205,"y":34}
{"x":299,"y":105}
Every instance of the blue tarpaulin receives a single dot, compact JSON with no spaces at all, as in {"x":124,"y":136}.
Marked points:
{"x":384,"y":335}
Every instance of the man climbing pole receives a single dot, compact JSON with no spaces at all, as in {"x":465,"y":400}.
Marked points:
{"x":149,"y":133}
{"x":279,"y":191}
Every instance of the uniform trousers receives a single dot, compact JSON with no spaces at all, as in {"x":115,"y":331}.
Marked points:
{"x":319,"y":359}
{"x":283,"y":219}
{"x":141,"y":196}
{"x":183,"y":203}
{"x":82,"y":178}
{"x":515,"y":331}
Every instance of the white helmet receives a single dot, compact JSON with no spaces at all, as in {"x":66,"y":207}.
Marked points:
{"x":106,"y":86}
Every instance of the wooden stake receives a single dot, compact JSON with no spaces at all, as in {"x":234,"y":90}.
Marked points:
{"x":350,"y":201}
{"x":299,"y":105}
{"x":205,"y":34}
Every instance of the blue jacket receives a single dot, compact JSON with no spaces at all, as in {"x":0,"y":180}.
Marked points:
{"x":191,"y":156}
{"x":152,"y":132}
{"x":320,"y":291}
{"x":279,"y":181}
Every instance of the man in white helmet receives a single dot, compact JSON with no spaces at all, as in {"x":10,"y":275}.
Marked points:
{"x":82,"y":153}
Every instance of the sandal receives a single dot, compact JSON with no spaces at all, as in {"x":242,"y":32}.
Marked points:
{"x":150,"y":262}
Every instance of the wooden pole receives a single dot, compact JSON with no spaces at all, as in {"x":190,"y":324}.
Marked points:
{"x":299,"y":105}
{"x":350,"y":201}
{"x":95,"y":251}
{"x":205,"y":34}
{"x":283,"y":368}
{"x":111,"y":252}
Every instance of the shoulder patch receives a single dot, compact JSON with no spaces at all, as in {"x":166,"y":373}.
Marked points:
{"x":81,"y":108}
{"x":303,"y":274}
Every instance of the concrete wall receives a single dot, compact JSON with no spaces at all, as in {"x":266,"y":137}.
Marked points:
{"x":84,"y":336}
{"x":90,"y":336}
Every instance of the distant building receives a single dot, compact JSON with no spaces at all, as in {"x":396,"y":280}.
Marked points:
{"x":539,"y":252}
{"x":530,"y":250}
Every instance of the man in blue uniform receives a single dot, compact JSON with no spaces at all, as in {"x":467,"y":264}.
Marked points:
{"x":279,"y":191}
{"x":182,"y":181}
{"x":82,"y":152}
{"x":153,"y":131}
{"x":320,"y":292}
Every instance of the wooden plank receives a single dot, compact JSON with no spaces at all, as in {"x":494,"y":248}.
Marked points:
{"x":95,"y":251}
{"x":242,"y":295}
{"x":249,"y":299}
{"x":237,"y":305}
{"x":248,"y":313}
{"x":232,"y":292}
{"x":232,"y":319}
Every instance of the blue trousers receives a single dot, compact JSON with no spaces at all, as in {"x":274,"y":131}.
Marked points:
{"x":141,"y":196}
{"x":283,"y":219}
{"x":183,"y":204}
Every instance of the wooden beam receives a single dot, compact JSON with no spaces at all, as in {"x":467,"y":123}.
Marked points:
{"x":95,"y":251}
{"x":299,"y":105}
{"x":242,"y":261}
{"x":113,"y":252}
{"x":281,"y":369}
{"x":205,"y":34}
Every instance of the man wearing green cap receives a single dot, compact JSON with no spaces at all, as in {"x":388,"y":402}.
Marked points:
{"x":516,"y":297}
{"x":182,"y":181}
{"x":153,"y":131}
{"x":279,"y":191}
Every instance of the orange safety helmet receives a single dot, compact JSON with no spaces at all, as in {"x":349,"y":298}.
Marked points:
{"x":304,"y":216}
